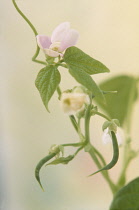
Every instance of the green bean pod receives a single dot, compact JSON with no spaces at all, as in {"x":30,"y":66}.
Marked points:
{"x":115,"y":155}
{"x":39,"y":166}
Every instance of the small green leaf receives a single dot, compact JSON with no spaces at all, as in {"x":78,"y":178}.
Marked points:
{"x":115,"y":155}
{"x":80,"y":60}
{"x":112,"y":125}
{"x":105,"y":125}
{"x":127,"y":198}
{"x":61,"y":160}
{"x":86,"y":80}
{"x":120,"y":105}
{"x":47,"y":82}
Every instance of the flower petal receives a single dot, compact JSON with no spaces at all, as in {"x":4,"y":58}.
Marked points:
{"x":72,"y":103}
{"x":106,"y":138}
{"x":120,"y":136}
{"x":60,"y":32}
{"x":43,"y":41}
{"x":69,"y":40}
{"x":52,"y":53}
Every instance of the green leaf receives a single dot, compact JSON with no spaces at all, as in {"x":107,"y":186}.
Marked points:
{"x":105,"y":125}
{"x":115,"y":155}
{"x":127,"y":198}
{"x":74,"y":57}
{"x":62,"y":160}
{"x":120,"y":105}
{"x":87,"y":81}
{"x":47,"y":82}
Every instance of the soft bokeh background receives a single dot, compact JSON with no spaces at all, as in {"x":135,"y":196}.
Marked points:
{"x":109,"y":32}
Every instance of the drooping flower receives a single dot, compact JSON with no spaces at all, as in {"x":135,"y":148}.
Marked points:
{"x":106,"y":137}
{"x":62,"y":38}
{"x":73,"y":103}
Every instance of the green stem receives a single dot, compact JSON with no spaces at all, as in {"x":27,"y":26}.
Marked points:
{"x":60,"y":63}
{"x":36,"y":55}
{"x":74,"y":122}
{"x":71,"y":145}
{"x":78,"y":150}
{"x":87,"y":122}
{"x":81,"y":136}
{"x":122,"y":178}
{"x":34,"y":31}
{"x":102,"y":115}
{"x":127,"y":147}
{"x":90,"y":149}
{"x":104,"y":173}
{"x":25,"y":18}
{"x":100,"y":156}
{"x":129,"y":155}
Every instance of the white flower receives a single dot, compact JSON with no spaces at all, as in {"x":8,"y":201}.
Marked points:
{"x":62,"y":38}
{"x":72,"y":103}
{"x":106,"y":137}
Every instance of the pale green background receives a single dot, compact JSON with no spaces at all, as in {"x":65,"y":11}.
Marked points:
{"x":109,"y":32}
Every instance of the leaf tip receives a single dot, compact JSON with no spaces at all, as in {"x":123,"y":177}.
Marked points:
{"x":46,"y":106}
{"x":103,"y":99}
{"x":108,"y":70}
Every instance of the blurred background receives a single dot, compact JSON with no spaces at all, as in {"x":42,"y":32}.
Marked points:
{"x":109,"y":32}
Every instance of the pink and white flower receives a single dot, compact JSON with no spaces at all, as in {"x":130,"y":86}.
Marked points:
{"x":62,"y":38}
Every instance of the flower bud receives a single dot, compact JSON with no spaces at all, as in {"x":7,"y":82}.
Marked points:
{"x":56,"y":149}
{"x":112,"y":125}
{"x":79,"y":89}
